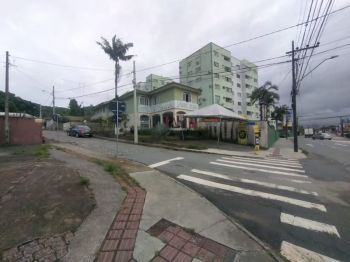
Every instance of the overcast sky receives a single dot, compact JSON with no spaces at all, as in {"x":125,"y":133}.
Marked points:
{"x":65,"y":32}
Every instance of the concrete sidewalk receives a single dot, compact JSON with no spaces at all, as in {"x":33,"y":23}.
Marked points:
{"x":168,"y":199}
{"x":169,"y":222}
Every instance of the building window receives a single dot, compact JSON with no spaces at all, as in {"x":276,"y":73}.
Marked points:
{"x":248,"y":94}
{"x":228,"y":99}
{"x":239,"y":94}
{"x":239,"y":103}
{"x":144,"y":100}
{"x":256,"y":115}
{"x":197,"y":63}
{"x":217,"y":86}
{"x":189,"y":72}
{"x":226,"y":58}
{"x":198,"y":69}
{"x":216,"y":75}
{"x":249,"y":113}
{"x":249,"y":104}
{"x":238,"y":76}
{"x":155,"y":100}
{"x":228,"y":79}
{"x":144,"y":121}
{"x":187,"y":97}
{"x":217,"y":99}
{"x":227,"y":69}
{"x":216,"y":53}
{"x":239,"y":112}
{"x":189,"y":63}
{"x":238,"y":85}
{"x":198,"y":79}
{"x":216,"y":64}
{"x":255,"y":80}
{"x":247,"y":86}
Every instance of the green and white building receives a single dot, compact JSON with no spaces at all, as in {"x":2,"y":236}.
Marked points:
{"x":222,"y":78}
{"x":163,"y":104}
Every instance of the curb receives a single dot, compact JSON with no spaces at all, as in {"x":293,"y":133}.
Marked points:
{"x":173,"y":148}
{"x":264,"y":246}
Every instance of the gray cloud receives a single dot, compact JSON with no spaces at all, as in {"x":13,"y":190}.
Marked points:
{"x":65,"y":32}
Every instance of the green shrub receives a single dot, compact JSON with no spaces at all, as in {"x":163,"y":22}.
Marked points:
{"x":84,"y":181}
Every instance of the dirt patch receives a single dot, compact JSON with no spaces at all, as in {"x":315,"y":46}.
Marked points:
{"x":39,"y":196}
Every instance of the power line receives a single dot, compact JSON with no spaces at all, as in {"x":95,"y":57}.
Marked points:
{"x":98,"y":92}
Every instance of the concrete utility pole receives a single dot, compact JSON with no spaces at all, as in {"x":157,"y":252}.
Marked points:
{"x":295,"y":91}
{"x":40,"y":111}
{"x":7,"y":129}
{"x":53,"y":100}
{"x":136,"y":115}
{"x":294,"y":105}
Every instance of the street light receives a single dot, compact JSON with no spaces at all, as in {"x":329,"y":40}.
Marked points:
{"x":329,"y":58}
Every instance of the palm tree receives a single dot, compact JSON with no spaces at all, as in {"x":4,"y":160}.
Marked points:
{"x":279,"y":113}
{"x":266,"y":97}
{"x":117,"y":52}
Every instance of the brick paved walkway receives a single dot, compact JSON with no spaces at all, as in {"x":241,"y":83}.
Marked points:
{"x":182,"y":245}
{"x":119,"y":243}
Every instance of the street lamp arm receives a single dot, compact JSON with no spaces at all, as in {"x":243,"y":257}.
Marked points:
{"x":329,"y":58}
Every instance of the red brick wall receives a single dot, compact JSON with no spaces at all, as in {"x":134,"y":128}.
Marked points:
{"x":23,"y":131}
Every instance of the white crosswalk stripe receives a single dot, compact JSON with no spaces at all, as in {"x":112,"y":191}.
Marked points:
{"x":255,"y":182}
{"x":260,"y":169}
{"x":273,"y":163}
{"x":308,"y":224}
{"x":260,"y":165}
{"x":296,"y":253}
{"x":254,"y":193}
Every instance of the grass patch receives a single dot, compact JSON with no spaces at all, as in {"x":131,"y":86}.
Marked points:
{"x":40,"y":151}
{"x":116,"y":171}
{"x":84,"y":181}
{"x":198,"y":147}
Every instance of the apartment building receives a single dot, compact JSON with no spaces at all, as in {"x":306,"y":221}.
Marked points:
{"x":222,"y":78}
{"x":153,"y":82}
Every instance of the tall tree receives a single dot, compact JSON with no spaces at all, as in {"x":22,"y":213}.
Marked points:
{"x":266,"y":97}
{"x":116,"y":50}
{"x":74,"y":108}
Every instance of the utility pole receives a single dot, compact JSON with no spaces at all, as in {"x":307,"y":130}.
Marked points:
{"x":7,"y":129}
{"x":342,"y":126}
{"x":136,"y":115}
{"x":53,"y":100}
{"x":295,"y":91}
{"x":294,"y":105}
{"x":40,"y":111}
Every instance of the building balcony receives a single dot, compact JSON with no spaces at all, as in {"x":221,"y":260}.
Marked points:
{"x":173,"y":104}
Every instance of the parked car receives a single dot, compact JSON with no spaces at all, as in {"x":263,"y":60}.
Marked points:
{"x":80,"y":131}
{"x":322,"y":136}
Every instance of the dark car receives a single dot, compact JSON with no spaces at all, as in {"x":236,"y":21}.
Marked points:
{"x":80,"y":131}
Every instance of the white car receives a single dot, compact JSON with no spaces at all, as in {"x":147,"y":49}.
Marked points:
{"x":322,"y":136}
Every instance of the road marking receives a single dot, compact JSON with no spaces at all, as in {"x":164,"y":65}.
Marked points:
{"x":269,"y":160}
{"x":310,"y":145}
{"x":295,"y":253}
{"x":165,"y":162}
{"x":308,"y":224}
{"x":249,"y":181}
{"x":337,"y":144}
{"x":300,"y":181}
{"x":283,"y":160}
{"x":249,"y":192}
{"x":264,"y":162}
{"x":259,"y":169}
{"x":260,"y":165}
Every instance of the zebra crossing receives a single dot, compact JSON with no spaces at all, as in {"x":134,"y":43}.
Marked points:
{"x":284,"y":176}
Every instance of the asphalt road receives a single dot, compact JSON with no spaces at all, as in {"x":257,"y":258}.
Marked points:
{"x":337,"y":149}
{"x":289,"y":204}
